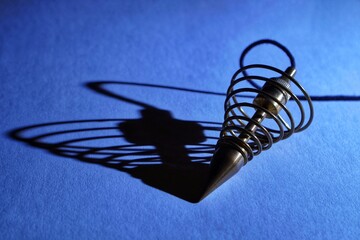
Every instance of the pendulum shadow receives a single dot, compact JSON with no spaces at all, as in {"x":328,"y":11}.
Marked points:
{"x":166,"y":153}
{"x":175,"y":167}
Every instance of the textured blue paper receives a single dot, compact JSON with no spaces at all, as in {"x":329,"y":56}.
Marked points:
{"x":306,"y":187}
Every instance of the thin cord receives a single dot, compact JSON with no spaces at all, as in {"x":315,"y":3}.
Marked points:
{"x":260,"y":42}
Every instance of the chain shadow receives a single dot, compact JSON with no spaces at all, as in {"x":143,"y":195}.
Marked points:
{"x":166,"y":153}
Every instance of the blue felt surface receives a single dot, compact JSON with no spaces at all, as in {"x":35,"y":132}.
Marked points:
{"x":306,"y":187}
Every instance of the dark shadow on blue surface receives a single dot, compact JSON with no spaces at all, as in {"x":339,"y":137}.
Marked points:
{"x":177,"y":160}
{"x":315,"y":98}
{"x":154,"y":154}
{"x":165,"y":153}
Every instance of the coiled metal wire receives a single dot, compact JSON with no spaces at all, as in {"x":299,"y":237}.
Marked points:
{"x":239,"y":111}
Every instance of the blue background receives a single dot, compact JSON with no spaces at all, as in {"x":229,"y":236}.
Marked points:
{"x":305,"y":187}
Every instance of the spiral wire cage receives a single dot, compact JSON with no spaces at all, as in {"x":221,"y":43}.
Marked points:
{"x":238,"y":113}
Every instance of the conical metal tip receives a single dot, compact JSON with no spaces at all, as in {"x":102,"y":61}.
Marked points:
{"x":225,"y":163}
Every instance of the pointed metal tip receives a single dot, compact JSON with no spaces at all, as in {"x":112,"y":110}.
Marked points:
{"x":225,"y":163}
